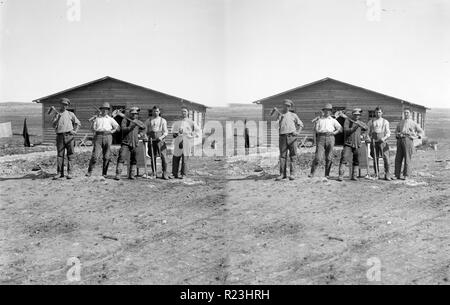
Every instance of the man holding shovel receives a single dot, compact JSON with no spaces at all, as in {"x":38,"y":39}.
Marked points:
{"x":131,"y":129}
{"x":352,"y":143}
{"x":66,"y":126}
{"x":290,"y":128}
{"x":379,"y":133}
{"x":156,"y":128}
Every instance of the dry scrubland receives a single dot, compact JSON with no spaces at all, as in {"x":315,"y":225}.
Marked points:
{"x":230,"y":223}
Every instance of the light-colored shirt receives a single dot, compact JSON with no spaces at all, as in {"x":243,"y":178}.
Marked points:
{"x":327,"y":125}
{"x":380,"y":126}
{"x":158,"y":124}
{"x":64,"y":122}
{"x":289,"y":123}
{"x":105,"y":124}
{"x":189,"y":130}
{"x":408,"y":128}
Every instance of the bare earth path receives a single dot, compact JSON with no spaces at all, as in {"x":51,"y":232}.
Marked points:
{"x":315,"y":232}
{"x":227,"y":224}
{"x":122,"y":232}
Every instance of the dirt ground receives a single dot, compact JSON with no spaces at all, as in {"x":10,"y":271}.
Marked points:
{"x":229,"y":223}
{"x":326,"y":232}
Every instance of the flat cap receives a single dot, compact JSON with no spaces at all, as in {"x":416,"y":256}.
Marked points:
{"x":65,"y":101}
{"x":328,"y":107}
{"x":288,"y":103}
{"x":134,"y":110}
{"x":105,"y":105}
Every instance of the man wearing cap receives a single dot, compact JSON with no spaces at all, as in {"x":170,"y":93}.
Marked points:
{"x":66,"y":127}
{"x":326,"y":127}
{"x":407,"y":130}
{"x":131,"y":131}
{"x":184,"y":131}
{"x":379,"y":132}
{"x":352,"y":143}
{"x":156,"y":129}
{"x":290,"y":127}
{"x":103,"y":126}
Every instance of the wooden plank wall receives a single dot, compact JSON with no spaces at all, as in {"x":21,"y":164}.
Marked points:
{"x":309,"y":101}
{"x":117,"y":94}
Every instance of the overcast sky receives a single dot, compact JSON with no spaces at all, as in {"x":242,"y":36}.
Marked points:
{"x":219,"y":51}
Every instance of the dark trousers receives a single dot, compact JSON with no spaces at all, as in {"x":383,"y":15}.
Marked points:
{"x":324,"y":148}
{"x":350,"y":154}
{"x":176,"y":165}
{"x":127,"y":152}
{"x":64,"y":142}
{"x":158,"y":149}
{"x":405,"y":147}
{"x":102,"y":145}
{"x":382,"y":149}
{"x":287,"y":143}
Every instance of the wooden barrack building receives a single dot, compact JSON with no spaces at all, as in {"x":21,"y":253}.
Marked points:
{"x":310,"y":98}
{"x":121,"y":95}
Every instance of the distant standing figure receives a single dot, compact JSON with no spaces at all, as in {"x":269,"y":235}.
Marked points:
{"x":405,"y":133}
{"x":246,"y":138}
{"x":352,"y":144}
{"x":103,"y":126}
{"x":66,"y":126}
{"x":326,"y":127}
{"x":184,"y":132}
{"x":290,"y":127}
{"x":130,"y":141}
{"x":379,"y":132}
{"x":156,"y":129}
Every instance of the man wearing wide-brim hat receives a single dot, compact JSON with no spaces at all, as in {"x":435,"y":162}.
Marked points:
{"x":326,"y":127}
{"x":352,"y":143}
{"x":290,"y":127}
{"x":131,"y":129}
{"x":66,"y":126}
{"x":103,"y":126}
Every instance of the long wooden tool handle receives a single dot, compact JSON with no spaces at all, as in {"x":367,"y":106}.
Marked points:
{"x":152,"y":157}
{"x":116,"y":113}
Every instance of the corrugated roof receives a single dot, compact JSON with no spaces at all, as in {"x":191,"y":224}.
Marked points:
{"x":260,"y":101}
{"x":39,"y":100}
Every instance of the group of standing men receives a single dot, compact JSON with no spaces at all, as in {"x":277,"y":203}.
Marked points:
{"x":153,"y":132}
{"x":356,"y":132}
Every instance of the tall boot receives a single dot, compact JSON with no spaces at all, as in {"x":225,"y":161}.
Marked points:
{"x":328,"y":169}
{"x":282,"y":170}
{"x":105,"y":168}
{"x":355,"y":173}
{"x":291,"y":169}
{"x":69,"y":168}
{"x":132,"y":172}
{"x":118,"y":171}
{"x":341,"y":172}
{"x":91,"y":167}
{"x":313,"y":170}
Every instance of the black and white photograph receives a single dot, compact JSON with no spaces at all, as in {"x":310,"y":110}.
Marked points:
{"x":224,"y":143}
